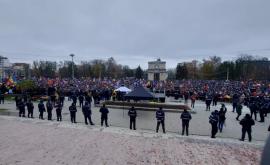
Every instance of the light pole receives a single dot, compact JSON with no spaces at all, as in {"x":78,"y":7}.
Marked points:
{"x":72,"y":55}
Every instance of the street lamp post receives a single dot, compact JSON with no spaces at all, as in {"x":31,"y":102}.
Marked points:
{"x":72,"y":55}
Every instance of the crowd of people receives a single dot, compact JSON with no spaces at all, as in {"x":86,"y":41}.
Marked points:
{"x":253,"y":94}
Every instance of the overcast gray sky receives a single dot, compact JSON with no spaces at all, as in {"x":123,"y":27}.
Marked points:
{"x":133,"y":32}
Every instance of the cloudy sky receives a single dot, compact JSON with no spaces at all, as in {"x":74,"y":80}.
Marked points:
{"x":133,"y":32}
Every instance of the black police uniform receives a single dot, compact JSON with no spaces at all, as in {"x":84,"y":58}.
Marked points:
{"x":213,"y":120}
{"x":21,"y":107}
{"x":41,"y":108}
{"x":160,"y":116}
{"x":74,"y":99}
{"x":87,"y":114}
{"x":88,"y":98}
{"x":73,"y":111}
{"x":132,"y":114}
{"x":49,"y":110}
{"x":81,"y":99}
{"x":208,"y":103}
{"x":253,"y":109}
{"x":30,"y":108}
{"x":59,"y":112}
{"x":186,"y":117}
{"x":246,"y":123}
{"x":62,"y":99}
{"x":263,"y":111}
{"x":104,"y":116}
{"x":2,"y":98}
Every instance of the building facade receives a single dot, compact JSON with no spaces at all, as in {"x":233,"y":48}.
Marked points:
{"x":4,"y":66}
{"x":157,"y":70}
{"x":21,"y":70}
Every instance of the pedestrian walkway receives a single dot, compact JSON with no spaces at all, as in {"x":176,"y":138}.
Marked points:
{"x":34,"y":142}
{"x":199,"y":125}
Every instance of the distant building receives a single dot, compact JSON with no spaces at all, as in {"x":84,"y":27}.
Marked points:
{"x":191,"y":69}
{"x":4,"y":66}
{"x":21,"y":70}
{"x":157,"y":70}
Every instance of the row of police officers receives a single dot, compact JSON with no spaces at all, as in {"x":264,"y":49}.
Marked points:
{"x":86,"y":110}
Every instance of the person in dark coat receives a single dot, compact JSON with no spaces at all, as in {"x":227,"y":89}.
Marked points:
{"x":215,"y":99}
{"x":62,"y":99}
{"x":73,"y":110}
{"x":160,"y":116}
{"x":235,"y":101}
{"x":132,"y":113}
{"x":87,"y":113}
{"x":58,"y":110}
{"x":88,"y":98}
{"x":30,"y":108}
{"x":222,"y":117}
{"x":208,"y":101}
{"x":74,"y":99}
{"x":49,"y":107}
{"x":213,"y":120}
{"x":21,"y":107}
{"x":262,"y":111}
{"x":186,"y":117}
{"x":81,"y":99}
{"x":253,"y":109}
{"x":17,"y":101}
{"x":104,"y":115}
{"x":239,"y":108}
{"x":247,"y":122}
{"x":41,"y":108}
{"x":2,"y":98}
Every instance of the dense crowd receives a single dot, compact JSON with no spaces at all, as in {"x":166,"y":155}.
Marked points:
{"x":253,"y":94}
{"x":216,"y":89}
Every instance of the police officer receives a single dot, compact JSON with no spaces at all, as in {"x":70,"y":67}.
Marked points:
{"x":49,"y":107}
{"x":88,"y":98}
{"x":213,"y":120}
{"x":30,"y":108}
{"x":74,"y":99}
{"x":239,"y":108}
{"x":41,"y":108}
{"x":186,"y":117}
{"x":253,"y":109}
{"x":222,"y":117}
{"x":132,"y":115}
{"x":263,"y":110}
{"x":160,"y":116}
{"x":87,"y":113}
{"x":247,"y":122}
{"x":73,"y":110}
{"x":2,"y":97}
{"x":104,"y":115}
{"x":21,"y":107}
{"x":62,"y":99}
{"x":81,"y":99}
{"x":235,"y":101}
{"x":208,"y":101}
{"x":59,"y":111}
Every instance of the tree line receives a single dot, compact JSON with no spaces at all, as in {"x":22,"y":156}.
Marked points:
{"x":245,"y":67}
{"x":95,"y":68}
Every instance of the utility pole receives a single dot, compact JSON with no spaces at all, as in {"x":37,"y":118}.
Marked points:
{"x":227,"y":74}
{"x":72,"y":55}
